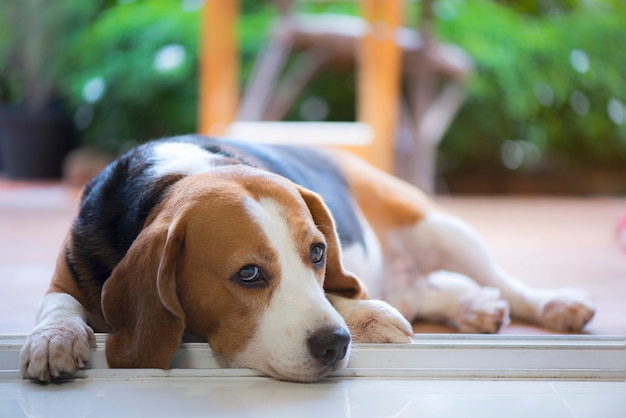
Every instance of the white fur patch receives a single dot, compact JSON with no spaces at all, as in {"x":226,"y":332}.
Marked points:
{"x":298,"y":308}
{"x":180,"y":158}
{"x":60,"y":343}
{"x":366,"y":261}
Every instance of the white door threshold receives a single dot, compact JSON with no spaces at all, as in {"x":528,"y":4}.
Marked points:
{"x":451,"y":356}
{"x":436,"y":376}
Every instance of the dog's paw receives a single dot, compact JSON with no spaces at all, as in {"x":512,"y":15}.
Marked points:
{"x":566,"y":310}
{"x":373,"y":321}
{"x":482,"y":311}
{"x":56,"y":349}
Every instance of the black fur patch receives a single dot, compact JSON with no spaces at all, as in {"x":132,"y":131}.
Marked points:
{"x":113,"y":210}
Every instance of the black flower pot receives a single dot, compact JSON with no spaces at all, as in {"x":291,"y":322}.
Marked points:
{"x":33,"y":146}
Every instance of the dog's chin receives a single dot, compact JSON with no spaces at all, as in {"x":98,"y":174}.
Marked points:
{"x":304,"y":373}
{"x":298,"y":376}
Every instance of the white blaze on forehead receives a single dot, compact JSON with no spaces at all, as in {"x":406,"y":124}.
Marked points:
{"x":298,"y":307}
{"x":298,"y":283}
{"x":180,"y":158}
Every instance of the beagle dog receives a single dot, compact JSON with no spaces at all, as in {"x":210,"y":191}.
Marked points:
{"x":278,"y":256}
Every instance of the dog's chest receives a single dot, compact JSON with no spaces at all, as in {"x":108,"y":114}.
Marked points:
{"x":365,"y":259}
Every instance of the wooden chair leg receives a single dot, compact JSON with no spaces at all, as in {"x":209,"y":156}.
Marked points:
{"x":268,"y":66}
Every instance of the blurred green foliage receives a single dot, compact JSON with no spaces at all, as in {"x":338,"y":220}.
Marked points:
{"x":546,"y":73}
{"x":141,"y":99}
{"x":546,"y":78}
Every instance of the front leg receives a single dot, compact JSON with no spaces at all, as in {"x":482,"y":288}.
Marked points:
{"x":59,"y":345}
{"x":372,"y":321}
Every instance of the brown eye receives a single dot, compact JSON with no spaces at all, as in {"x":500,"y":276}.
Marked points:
{"x":250,"y":276}
{"x":318,"y":254}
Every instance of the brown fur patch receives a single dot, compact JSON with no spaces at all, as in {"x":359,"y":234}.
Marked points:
{"x":387,"y":202}
{"x":63,"y":282}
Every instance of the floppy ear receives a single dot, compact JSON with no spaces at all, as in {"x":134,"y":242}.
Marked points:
{"x":337,"y":280}
{"x":139,"y":299}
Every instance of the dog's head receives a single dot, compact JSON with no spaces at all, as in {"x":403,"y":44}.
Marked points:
{"x":242,"y":258}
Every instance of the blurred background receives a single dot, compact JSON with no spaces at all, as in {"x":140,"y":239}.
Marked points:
{"x":544,"y":110}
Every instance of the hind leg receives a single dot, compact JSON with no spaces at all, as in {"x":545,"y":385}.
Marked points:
{"x":454,"y":299}
{"x":443,"y":242}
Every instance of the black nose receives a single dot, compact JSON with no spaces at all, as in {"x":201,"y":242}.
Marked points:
{"x":329,"y":345}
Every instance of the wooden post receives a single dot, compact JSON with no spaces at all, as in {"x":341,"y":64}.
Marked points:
{"x":218,"y":83}
{"x":379,"y":77}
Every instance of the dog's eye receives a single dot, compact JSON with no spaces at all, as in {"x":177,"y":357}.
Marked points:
{"x":250,"y":275}
{"x":318,"y":254}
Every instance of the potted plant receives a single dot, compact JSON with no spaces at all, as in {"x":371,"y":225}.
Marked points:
{"x":35,"y":129}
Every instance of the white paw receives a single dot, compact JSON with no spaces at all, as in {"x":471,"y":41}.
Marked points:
{"x":56,"y":349}
{"x":566,"y":310}
{"x":373,"y":321}
{"x":482,"y":311}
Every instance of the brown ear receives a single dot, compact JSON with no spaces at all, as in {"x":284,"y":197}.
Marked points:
{"x":337,"y":280}
{"x":139,"y":299}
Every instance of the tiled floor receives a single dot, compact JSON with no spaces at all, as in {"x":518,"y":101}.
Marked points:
{"x":547,"y":241}
{"x":260,"y":397}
